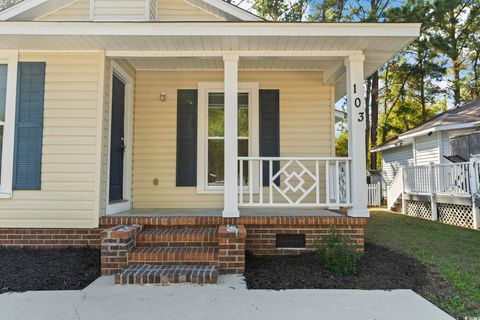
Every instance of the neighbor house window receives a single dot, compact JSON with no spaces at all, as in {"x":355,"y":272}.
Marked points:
{"x":212,"y":132}
{"x":8,"y":75}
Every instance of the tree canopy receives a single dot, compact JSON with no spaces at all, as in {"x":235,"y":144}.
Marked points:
{"x":440,"y":70}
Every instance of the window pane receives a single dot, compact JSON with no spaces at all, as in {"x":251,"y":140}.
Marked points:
{"x":216,"y":114}
{"x":3,"y":90}
{"x":243,"y":152}
{"x":216,"y":161}
{"x":243,"y":114}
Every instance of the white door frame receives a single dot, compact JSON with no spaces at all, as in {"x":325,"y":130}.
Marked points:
{"x":126,"y":203}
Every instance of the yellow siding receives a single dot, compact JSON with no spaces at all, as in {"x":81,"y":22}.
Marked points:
{"x":76,"y":11}
{"x":69,"y":191}
{"x":306,"y":127}
{"x":162,"y":10}
{"x":118,"y":10}
{"x":179,"y":10}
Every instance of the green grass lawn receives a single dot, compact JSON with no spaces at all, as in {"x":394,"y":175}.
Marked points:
{"x":453,"y":251}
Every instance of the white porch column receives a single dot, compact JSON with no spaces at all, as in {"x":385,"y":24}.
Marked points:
{"x":356,"y":135}
{"x":230,"y":197}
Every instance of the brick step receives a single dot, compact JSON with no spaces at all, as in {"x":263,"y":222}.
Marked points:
{"x":166,"y":274}
{"x":178,"y":237}
{"x":174,"y":255}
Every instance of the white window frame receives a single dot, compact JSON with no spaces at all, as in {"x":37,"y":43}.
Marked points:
{"x":126,"y":202}
{"x":11,"y":59}
{"x":204,"y":88}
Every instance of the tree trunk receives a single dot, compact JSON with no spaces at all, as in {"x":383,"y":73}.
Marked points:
{"x":456,"y":82}
{"x":367,"y":117}
{"x":374,"y":124}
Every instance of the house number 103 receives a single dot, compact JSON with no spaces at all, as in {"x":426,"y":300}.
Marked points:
{"x":358,"y":103}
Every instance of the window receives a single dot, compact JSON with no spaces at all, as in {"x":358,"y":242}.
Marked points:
{"x":211,"y":132}
{"x":8,"y":75}
{"x":216,"y":142}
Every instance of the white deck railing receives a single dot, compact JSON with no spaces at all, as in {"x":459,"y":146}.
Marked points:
{"x":294,"y":182}
{"x":449,"y":178}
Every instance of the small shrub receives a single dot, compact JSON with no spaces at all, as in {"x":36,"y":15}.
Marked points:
{"x":336,"y":255}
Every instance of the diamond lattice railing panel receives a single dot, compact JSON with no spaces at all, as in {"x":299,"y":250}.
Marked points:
{"x":298,"y":182}
{"x":419,"y":209}
{"x":458,"y":215}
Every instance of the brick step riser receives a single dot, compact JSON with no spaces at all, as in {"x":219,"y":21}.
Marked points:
{"x":148,"y":275}
{"x":176,"y":262}
{"x":143,"y":243}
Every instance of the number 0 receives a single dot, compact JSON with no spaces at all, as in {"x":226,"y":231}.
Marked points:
{"x":358,"y":102}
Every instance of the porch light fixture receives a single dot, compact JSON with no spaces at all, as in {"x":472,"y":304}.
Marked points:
{"x":163,"y":96}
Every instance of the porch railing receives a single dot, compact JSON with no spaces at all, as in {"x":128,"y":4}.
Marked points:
{"x":294,"y":182}
{"x":450,"y":178}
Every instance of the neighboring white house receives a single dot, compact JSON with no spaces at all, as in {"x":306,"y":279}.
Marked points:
{"x":432,"y":171}
{"x":433,"y":140}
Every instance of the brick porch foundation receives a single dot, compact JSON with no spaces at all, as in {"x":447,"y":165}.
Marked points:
{"x":209,"y":243}
{"x":38,"y":238}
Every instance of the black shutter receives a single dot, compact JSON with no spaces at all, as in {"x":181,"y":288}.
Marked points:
{"x":269,"y":118}
{"x":187,"y":138}
{"x":29,"y":126}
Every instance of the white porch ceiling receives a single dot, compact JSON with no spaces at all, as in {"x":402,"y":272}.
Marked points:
{"x":184,"y":43}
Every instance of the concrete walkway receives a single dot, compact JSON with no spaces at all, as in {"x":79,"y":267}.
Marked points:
{"x":229,"y":300}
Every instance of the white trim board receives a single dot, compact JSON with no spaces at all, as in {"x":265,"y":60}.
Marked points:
{"x":126,"y":204}
{"x":401,"y":30}
{"x":11,"y":59}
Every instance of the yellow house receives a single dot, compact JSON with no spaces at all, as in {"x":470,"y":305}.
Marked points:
{"x":134,"y":111}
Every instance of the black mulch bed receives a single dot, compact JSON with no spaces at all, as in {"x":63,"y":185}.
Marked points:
{"x":379,"y":268}
{"x":57,"y":269}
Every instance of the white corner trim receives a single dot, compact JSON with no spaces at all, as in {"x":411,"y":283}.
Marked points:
{"x":126,"y":204}
{"x":202,"y":157}
{"x":11,"y":59}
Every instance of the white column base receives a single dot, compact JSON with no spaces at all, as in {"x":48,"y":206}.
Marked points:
{"x":360,"y":213}
{"x":231,"y":213}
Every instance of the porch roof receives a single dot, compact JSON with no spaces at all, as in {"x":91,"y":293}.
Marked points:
{"x":311,"y":46}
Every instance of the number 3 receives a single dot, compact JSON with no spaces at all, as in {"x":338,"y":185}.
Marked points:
{"x":361,"y":116}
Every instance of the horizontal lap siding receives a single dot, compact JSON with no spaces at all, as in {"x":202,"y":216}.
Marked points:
{"x":305,"y":129}
{"x":393,"y":159}
{"x":119,"y":10}
{"x":179,"y":10}
{"x":77,"y":11}
{"x":67,"y":197}
{"x":426,"y":150}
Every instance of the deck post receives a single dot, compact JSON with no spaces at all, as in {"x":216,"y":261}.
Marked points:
{"x":356,"y":134}
{"x":474,"y":176}
{"x":230,"y":196}
{"x":404,"y":201}
{"x":433,"y":201}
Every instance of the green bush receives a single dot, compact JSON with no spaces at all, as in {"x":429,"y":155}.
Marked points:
{"x":336,"y":254}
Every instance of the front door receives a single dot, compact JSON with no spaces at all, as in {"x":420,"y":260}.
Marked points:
{"x":117,"y":140}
